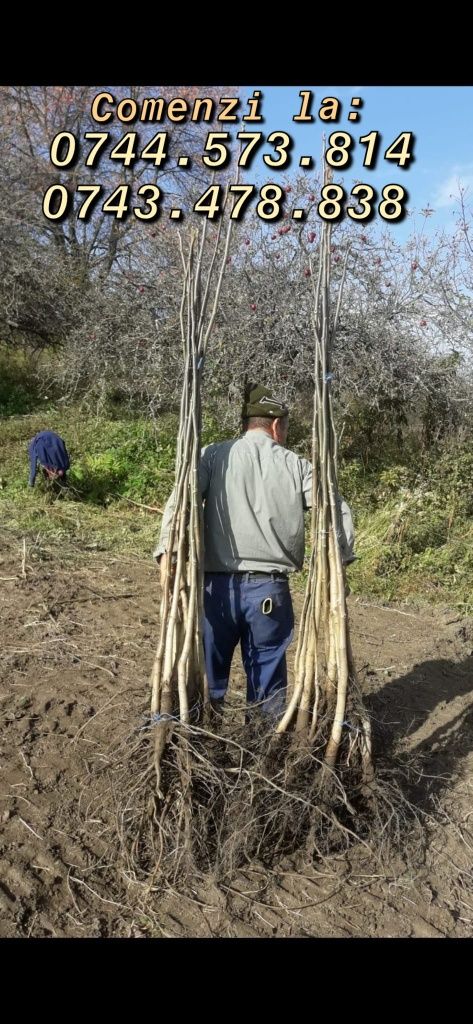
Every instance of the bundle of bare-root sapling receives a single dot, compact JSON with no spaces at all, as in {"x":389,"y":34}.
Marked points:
{"x":179,"y":691}
{"x":326,"y":711}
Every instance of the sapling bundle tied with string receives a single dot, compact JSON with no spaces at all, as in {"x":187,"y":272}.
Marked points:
{"x":326,"y":705}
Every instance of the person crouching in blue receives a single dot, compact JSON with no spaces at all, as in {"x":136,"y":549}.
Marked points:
{"x":49,"y":450}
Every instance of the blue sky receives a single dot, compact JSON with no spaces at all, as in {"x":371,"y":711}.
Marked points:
{"x":441,"y":118}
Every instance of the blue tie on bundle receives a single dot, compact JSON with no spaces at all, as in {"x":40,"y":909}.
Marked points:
{"x":50,"y":451}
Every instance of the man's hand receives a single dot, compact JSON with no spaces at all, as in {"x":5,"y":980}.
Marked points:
{"x":163,"y":565}
{"x":162,"y":562}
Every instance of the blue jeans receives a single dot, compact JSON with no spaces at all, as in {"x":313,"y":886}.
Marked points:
{"x":233,"y":606}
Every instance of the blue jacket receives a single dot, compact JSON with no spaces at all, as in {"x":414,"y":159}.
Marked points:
{"x":50,"y":451}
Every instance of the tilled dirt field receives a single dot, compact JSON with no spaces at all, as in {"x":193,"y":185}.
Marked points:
{"x":77,"y":640}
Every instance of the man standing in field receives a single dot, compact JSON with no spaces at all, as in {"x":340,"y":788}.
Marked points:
{"x":255,"y":493}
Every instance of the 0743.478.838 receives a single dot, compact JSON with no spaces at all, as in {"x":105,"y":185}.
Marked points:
{"x":333,"y":205}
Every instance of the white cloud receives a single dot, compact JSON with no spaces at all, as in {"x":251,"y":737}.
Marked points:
{"x":448,"y":191}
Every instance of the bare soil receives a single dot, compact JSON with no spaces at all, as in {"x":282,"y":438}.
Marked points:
{"x":78,"y":634}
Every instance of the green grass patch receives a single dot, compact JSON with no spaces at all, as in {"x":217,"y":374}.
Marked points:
{"x":413,"y":518}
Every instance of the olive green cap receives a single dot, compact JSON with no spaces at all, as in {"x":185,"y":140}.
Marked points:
{"x":260,"y":401}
